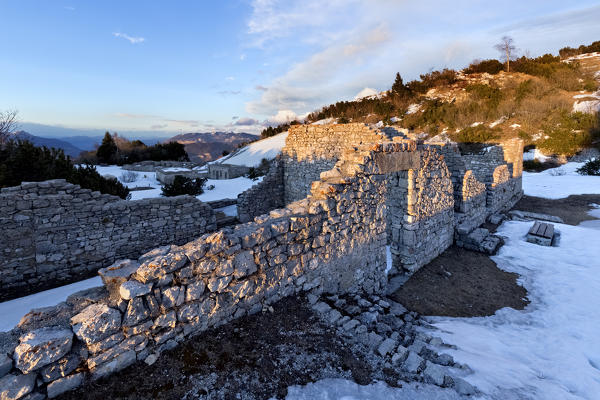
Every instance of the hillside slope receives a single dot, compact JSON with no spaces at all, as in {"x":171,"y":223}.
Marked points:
{"x":252,"y":154}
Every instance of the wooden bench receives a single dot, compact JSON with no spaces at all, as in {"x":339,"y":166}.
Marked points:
{"x":541,"y":233}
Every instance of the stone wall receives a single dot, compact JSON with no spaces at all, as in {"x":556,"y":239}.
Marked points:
{"x":55,"y":233}
{"x":420,"y":207}
{"x":263,"y":197}
{"x":312,"y":149}
{"x":333,"y":241}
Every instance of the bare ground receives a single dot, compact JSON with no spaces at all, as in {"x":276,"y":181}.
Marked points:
{"x":255,"y":357}
{"x":573,"y":209}
{"x":461,"y":283}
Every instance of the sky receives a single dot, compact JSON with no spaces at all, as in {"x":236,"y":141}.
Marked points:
{"x":165,"y":67}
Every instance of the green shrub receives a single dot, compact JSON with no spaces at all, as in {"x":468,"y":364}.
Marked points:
{"x":478,"y":134}
{"x":24,"y":162}
{"x":570,"y":132}
{"x":261,"y":170}
{"x":491,"y":95}
{"x":433,"y":79}
{"x":538,"y":166}
{"x":591,"y":167}
{"x":183,"y":185}
{"x":490,"y":66}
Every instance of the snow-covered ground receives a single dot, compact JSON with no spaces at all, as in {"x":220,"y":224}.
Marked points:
{"x":342,"y":389}
{"x":551,"y":349}
{"x":12,"y":311}
{"x":557,"y":183}
{"x":223,"y":188}
{"x":252,"y":155}
{"x":226,"y":188}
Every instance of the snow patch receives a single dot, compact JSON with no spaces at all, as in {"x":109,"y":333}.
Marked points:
{"x":342,"y":389}
{"x":366,"y":92}
{"x":413,"y":108}
{"x":551,"y":184}
{"x":550,"y":349}
{"x":13,"y":310}
{"x":252,"y":155}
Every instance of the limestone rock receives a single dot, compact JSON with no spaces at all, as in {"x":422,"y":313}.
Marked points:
{"x":463,"y":387}
{"x":122,"y":361}
{"x":96,"y":322}
{"x":386,"y":347}
{"x":40,"y":347}
{"x":5,"y":364}
{"x":14,"y":387}
{"x":413,"y":362}
{"x":65,"y":384}
{"x":244,"y":264}
{"x":60,"y":368}
{"x":130,"y":289}
{"x":116,"y":274}
{"x":433,"y":373}
{"x":136,"y":312}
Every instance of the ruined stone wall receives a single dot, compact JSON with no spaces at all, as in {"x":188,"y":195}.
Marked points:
{"x":333,"y":241}
{"x":312,"y":149}
{"x":264,"y":196}
{"x":54,"y":233}
{"x":421,"y":210}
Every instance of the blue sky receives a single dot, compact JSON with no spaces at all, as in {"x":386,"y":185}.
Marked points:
{"x":184,"y":66}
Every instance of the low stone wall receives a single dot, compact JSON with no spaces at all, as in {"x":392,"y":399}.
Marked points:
{"x":333,"y":241}
{"x":263,"y":197}
{"x":55,"y":233}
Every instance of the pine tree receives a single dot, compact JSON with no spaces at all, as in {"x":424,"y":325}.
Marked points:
{"x":107,"y":151}
{"x":399,"y":88}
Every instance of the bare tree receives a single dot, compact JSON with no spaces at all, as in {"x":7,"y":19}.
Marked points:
{"x":8,"y":123}
{"x":507,"y":48}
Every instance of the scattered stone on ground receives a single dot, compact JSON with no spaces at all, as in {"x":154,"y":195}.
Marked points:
{"x":260,"y":356}
{"x":461,"y":283}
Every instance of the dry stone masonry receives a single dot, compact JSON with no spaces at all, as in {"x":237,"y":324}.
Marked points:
{"x":55,"y":233}
{"x":356,"y":197}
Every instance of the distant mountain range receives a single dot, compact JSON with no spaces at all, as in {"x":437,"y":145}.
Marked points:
{"x":68,"y":148}
{"x":204,"y":147}
{"x":201,"y":147}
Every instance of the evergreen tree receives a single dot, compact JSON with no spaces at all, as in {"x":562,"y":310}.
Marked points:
{"x":399,"y":88}
{"x":107,"y":151}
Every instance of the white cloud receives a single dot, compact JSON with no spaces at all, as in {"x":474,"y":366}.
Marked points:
{"x":340,"y":47}
{"x":366,"y":92}
{"x":283,"y":116}
{"x":131,"y":39}
{"x":242,"y":57}
{"x":69,"y":8}
{"x":230,"y":78}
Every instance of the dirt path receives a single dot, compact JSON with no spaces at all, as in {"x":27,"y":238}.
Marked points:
{"x":573,"y":209}
{"x":461,"y":283}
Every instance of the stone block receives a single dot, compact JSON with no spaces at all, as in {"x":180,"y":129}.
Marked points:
{"x":41,"y":347}
{"x":63,"y":385}
{"x":130,"y":289}
{"x":14,"y":387}
{"x":95,"y":323}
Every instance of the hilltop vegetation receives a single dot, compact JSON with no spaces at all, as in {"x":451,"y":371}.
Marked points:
{"x":119,"y":150}
{"x":483,"y":103}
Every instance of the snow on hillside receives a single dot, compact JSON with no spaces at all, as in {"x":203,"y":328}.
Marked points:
{"x":557,"y":183}
{"x":252,"y":155}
